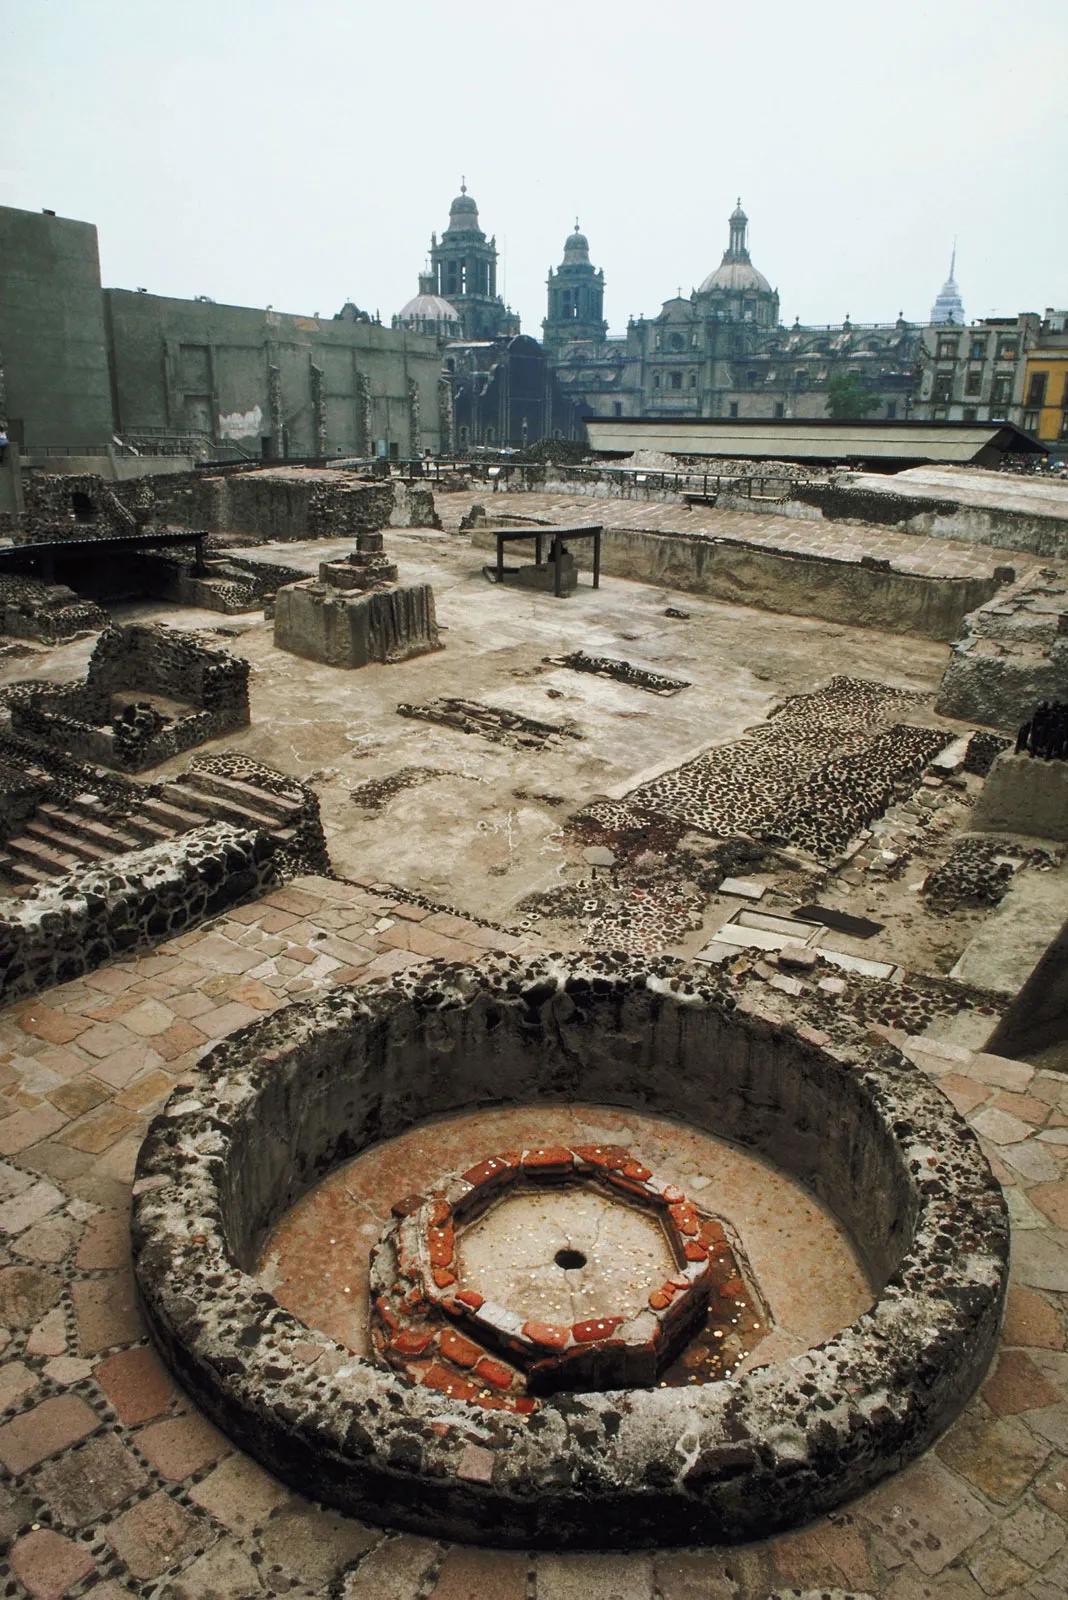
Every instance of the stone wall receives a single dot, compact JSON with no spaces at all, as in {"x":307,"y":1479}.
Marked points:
{"x":1024,"y":795}
{"x":139,"y":660}
{"x":1012,"y":655}
{"x":800,"y":493}
{"x":73,"y":925}
{"x":350,"y":630}
{"x":83,"y":506}
{"x":270,"y":505}
{"x":865,"y":594}
{"x":48,"y":612}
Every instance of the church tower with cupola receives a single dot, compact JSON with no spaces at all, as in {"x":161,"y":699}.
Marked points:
{"x":736,"y":291}
{"x":576,"y":297}
{"x":464,"y":273}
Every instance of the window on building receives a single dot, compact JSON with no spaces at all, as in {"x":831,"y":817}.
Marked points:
{"x":891,"y":410}
{"x":973,"y":383}
{"x":1030,"y":421}
{"x":676,"y":341}
{"x":970,"y":414}
{"x":940,"y":414}
{"x":464,"y":436}
{"x":734,"y":408}
{"x":676,"y":380}
{"x":978,"y":351}
{"x":943,"y":386}
{"x":1036,"y":389}
{"x":617,"y":408}
{"x":1001,"y":393}
{"x":450,"y":364}
{"x":693,"y":380}
{"x":801,"y":379}
{"x":753,"y":377}
{"x":1064,"y":424}
{"x":489,"y":435}
{"x":947,"y":349}
{"x":780,"y":409}
{"x":1008,"y":347}
{"x":656,"y":380}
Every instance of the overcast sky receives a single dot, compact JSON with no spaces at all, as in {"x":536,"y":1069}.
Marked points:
{"x":300,"y":154}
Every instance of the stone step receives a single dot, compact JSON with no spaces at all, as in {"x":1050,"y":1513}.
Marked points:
{"x":261,"y":800}
{"x":147,"y":831}
{"x":109,"y":839}
{"x":63,"y":840}
{"x":213,"y":808}
{"x":23,"y":877}
{"x":175,"y":818}
{"x":35,"y":853}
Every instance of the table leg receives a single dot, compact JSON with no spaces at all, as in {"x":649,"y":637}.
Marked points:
{"x":558,"y":584}
{"x":597,"y":559}
{"x":500,"y":559}
{"x":537,"y":548}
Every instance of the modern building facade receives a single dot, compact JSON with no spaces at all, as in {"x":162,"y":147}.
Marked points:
{"x":999,"y":369}
{"x":54,"y":383}
{"x":82,"y":365}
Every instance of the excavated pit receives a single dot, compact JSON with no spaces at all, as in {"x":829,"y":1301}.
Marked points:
{"x":284,"y":1102}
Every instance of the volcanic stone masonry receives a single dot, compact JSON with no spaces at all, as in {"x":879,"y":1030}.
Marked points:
{"x":48,"y":612}
{"x":281,"y":1103}
{"x":203,"y":690}
{"x":356,"y":612}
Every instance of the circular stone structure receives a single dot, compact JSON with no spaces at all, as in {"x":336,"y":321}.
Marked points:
{"x":284,"y":1101}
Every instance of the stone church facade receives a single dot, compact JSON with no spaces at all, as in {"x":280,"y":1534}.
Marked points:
{"x":720,"y":351}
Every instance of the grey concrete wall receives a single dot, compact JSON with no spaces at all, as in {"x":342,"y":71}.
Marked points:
{"x":54,"y":384}
{"x":1025,"y":796}
{"x":780,"y":580}
{"x":190,"y":364}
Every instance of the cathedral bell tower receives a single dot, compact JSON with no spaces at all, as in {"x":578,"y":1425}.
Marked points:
{"x":464,"y":270}
{"x":576,"y":297}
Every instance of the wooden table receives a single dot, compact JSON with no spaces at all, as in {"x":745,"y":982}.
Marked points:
{"x":591,"y":530}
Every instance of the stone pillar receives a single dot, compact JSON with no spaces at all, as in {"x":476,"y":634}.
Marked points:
{"x":414,"y":427}
{"x":445,"y":416}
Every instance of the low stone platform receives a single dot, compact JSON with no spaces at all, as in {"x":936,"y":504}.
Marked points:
{"x":356,"y":612}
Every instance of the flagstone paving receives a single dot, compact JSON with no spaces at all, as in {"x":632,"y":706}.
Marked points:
{"x":114,"y":1485}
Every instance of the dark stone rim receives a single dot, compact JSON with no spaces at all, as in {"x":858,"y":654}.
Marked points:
{"x":729,"y":1461}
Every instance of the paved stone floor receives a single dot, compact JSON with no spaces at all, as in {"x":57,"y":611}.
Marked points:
{"x":845,"y":541}
{"x":114,"y":1484}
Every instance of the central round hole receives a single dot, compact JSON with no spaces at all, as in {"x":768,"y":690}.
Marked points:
{"x":569,"y":1259}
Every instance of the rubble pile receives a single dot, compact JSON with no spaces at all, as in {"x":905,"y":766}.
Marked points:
{"x":620,"y":671}
{"x":492,"y":722}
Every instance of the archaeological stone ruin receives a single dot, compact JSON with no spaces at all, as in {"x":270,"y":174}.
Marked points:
{"x":581,"y":1112}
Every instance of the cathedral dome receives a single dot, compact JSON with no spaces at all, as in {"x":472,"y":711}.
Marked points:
{"x":463,"y":213}
{"x":576,"y":248}
{"x":430,"y":308}
{"x":736,"y":273}
{"x":737,"y":276}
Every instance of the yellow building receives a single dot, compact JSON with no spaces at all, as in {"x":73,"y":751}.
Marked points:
{"x":1046,"y":387}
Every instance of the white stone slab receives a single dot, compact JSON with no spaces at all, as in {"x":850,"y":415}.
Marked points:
{"x":746,"y":888}
{"x":799,"y":932}
{"x":714,"y":955}
{"x":848,"y":963}
{"x":751,"y":938}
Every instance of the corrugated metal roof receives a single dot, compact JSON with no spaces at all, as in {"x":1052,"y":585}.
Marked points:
{"x":801,"y":439}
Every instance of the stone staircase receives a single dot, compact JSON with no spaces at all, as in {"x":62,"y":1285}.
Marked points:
{"x":61,"y":837}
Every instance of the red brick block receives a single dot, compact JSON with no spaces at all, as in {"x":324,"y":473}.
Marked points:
{"x":495,"y":1170}
{"x":550,"y":1335}
{"x":635,"y":1170}
{"x":494,"y":1373}
{"x":685,"y":1219}
{"x":695,"y":1251}
{"x":470,"y":1297}
{"x":411,"y":1341}
{"x":456,"y":1348}
{"x":441,"y":1242}
{"x":450,"y":1383}
{"x":548,"y":1162}
{"x":443,"y":1277}
{"x":594,"y":1328}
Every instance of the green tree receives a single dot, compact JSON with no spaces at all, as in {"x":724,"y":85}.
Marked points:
{"x":847,"y":396}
